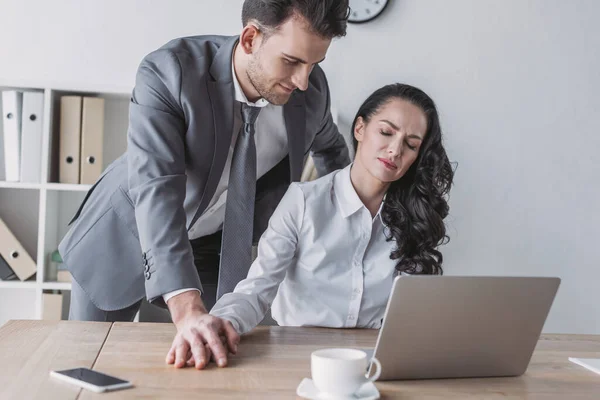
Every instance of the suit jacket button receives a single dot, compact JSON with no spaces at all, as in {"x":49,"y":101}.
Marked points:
{"x":147,"y":275}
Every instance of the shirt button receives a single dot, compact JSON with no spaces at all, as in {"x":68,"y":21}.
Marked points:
{"x":351,"y":318}
{"x":147,"y":275}
{"x":357,"y":290}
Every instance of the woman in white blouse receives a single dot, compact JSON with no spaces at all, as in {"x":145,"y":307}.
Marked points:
{"x":333,"y":245}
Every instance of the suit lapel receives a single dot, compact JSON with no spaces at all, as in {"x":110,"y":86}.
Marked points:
{"x":221,"y":94}
{"x":294,"y":113}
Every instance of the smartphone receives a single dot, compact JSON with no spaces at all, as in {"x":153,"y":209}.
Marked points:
{"x":91,"y":380}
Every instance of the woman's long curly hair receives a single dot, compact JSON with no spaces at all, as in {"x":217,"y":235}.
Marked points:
{"x":415,"y":205}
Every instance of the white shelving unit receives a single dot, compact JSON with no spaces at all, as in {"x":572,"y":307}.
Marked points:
{"x":38,"y":213}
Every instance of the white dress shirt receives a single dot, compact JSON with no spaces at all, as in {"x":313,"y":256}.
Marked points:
{"x":323,"y":261}
{"x":271,"y":142}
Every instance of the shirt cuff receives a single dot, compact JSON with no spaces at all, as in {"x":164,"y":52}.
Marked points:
{"x":220,"y":313}
{"x":174,"y":293}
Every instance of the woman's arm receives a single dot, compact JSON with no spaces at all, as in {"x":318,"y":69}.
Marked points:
{"x":252,"y":297}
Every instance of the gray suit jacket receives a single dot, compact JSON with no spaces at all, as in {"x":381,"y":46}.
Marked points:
{"x":130,"y":235}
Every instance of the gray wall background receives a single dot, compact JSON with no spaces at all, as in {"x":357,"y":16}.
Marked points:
{"x":516,"y":83}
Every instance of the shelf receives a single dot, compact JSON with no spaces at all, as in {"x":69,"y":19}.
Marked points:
{"x":33,"y":285}
{"x":20,"y":185}
{"x":108,"y":90}
{"x":56,"y":286}
{"x":50,"y":186}
{"x":67,"y":187}
{"x":17,"y":285}
{"x":38,"y":213}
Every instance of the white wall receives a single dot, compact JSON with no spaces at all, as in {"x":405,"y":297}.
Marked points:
{"x":514,"y":81}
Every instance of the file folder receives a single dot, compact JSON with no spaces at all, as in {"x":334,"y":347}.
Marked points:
{"x":6,"y":272}
{"x":52,"y":306}
{"x":31,"y":137}
{"x":14,"y":254}
{"x":63,"y":275}
{"x":11,"y":119}
{"x":92,"y":139}
{"x":70,"y":139}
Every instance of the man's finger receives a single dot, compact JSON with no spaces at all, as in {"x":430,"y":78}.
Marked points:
{"x":181,"y":353}
{"x":190,"y":362}
{"x":198,"y":352}
{"x":209,"y":354}
{"x":217,"y":348}
{"x":170,"y":359}
{"x":232,"y":336}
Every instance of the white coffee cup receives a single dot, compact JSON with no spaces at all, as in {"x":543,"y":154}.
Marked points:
{"x":341,"y":372}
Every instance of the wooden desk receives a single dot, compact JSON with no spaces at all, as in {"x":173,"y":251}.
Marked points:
{"x":271,"y":363}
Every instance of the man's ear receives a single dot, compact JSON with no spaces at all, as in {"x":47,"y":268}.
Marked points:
{"x":250,"y":38}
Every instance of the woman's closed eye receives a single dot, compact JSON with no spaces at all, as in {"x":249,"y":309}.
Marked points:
{"x":386,"y":133}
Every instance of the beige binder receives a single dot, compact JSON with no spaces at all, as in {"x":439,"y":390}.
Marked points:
{"x":92,"y":139}
{"x":52,"y":306}
{"x":63,"y":276}
{"x":70,"y":139}
{"x":14,"y":254}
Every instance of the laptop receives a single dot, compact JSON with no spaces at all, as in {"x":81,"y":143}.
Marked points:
{"x":462,"y":326}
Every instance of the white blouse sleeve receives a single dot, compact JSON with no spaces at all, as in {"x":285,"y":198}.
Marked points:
{"x":247,"y":305}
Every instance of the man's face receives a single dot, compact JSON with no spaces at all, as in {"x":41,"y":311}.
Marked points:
{"x":283,"y":62}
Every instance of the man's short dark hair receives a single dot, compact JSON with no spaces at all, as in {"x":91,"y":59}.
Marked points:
{"x":327,"y":18}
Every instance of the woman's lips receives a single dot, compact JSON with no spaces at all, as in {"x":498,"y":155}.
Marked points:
{"x":388,"y":164}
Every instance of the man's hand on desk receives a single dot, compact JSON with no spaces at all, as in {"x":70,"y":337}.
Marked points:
{"x":199,"y":334}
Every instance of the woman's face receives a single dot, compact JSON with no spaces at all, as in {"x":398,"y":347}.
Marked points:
{"x":389,"y":143}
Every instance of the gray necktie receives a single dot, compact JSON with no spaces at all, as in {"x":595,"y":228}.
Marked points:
{"x":236,"y":245}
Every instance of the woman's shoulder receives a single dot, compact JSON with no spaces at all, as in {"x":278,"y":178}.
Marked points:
{"x":319,"y":186}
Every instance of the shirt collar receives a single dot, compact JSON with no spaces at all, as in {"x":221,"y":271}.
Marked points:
{"x":239,"y":93}
{"x":348,"y":199}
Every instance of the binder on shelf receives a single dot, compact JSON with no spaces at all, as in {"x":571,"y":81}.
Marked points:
{"x":31,"y":136}
{"x":92,"y":134}
{"x":14,"y":254}
{"x":70,"y":139}
{"x":11,"y":119}
{"x":6,"y":272}
{"x":64,"y":276}
{"x":57,"y":270}
{"x":52,"y":306}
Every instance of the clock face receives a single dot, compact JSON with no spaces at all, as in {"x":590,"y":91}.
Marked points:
{"x":365,"y":10}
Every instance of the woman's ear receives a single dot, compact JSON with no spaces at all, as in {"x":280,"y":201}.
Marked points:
{"x":250,"y":38}
{"x":359,"y":129}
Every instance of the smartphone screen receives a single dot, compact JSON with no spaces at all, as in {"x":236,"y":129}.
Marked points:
{"x":91,"y":377}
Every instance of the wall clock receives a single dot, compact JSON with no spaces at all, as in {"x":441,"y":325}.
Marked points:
{"x":366,"y":10}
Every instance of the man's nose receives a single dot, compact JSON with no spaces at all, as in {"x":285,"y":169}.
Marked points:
{"x":300,"y":78}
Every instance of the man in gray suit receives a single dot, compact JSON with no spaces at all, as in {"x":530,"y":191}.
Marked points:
{"x":218,"y":128}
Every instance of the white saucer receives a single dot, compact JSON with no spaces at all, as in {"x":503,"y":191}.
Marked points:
{"x":307,"y":389}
